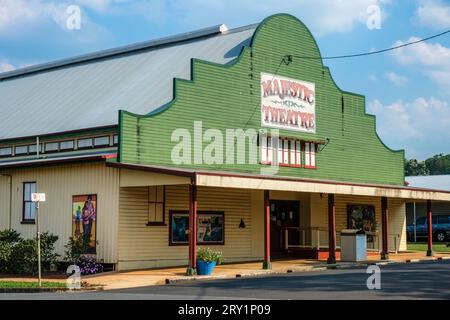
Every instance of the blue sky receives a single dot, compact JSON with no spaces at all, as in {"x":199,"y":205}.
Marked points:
{"x":407,"y":89}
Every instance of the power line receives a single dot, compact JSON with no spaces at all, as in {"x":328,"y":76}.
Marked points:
{"x":289,"y":57}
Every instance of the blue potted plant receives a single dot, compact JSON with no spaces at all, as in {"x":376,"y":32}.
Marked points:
{"x":207,"y":259}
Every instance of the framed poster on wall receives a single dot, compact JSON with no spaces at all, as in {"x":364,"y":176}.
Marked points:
{"x":361,"y":217}
{"x":84,"y":221}
{"x":210,"y":228}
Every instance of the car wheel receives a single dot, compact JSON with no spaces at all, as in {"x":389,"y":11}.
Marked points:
{"x":441,"y":236}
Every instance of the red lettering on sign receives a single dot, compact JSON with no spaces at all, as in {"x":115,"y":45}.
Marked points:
{"x":267,"y":88}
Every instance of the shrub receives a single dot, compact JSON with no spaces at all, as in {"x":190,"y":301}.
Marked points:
{"x":19,"y":256}
{"x":23,"y":258}
{"x":209,"y":255}
{"x":74,"y":249}
{"x":9,"y":236}
{"x":48,"y":255}
{"x":5,"y":254}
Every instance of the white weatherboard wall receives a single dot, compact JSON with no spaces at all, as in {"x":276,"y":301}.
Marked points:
{"x":397,"y":224}
{"x":60,"y":183}
{"x":396,"y":216}
{"x":142,"y":246}
{"x":4,"y":202}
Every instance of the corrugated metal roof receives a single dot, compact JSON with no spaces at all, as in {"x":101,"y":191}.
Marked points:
{"x":87,"y":91}
{"x":439,"y":182}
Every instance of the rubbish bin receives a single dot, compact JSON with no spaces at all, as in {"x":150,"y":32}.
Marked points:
{"x":353,"y":245}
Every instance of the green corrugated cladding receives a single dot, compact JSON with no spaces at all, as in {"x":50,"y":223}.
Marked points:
{"x":228,"y":96}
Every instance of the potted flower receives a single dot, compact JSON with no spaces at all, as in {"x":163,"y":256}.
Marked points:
{"x":207,"y":260}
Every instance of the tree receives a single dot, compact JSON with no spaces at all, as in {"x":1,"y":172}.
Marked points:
{"x":416,"y":168}
{"x":438,"y":164}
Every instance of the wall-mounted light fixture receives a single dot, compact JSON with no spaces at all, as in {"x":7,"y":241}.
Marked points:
{"x":321,"y":147}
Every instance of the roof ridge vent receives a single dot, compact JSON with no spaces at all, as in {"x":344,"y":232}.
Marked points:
{"x":223,"y":28}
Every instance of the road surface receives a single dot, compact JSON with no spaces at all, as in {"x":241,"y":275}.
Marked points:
{"x":424,"y":280}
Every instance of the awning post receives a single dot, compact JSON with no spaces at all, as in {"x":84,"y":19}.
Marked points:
{"x":192,"y":229}
{"x":266,"y":263}
{"x":430,"y":229}
{"x":384,"y":229}
{"x":331,"y":230}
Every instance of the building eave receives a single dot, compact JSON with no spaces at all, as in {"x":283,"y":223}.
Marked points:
{"x":281,"y":183}
{"x":56,"y":160}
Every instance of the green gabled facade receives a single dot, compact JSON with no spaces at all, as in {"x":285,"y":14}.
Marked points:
{"x":229,"y":97}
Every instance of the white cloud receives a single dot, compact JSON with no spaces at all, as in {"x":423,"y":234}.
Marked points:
{"x":5,"y":66}
{"x":322,"y":16}
{"x":102,"y":6}
{"x":420,"y":125}
{"x":18,"y":14}
{"x":432,"y":59}
{"x":97,"y":5}
{"x":433,"y":14}
{"x":28,"y":18}
{"x":396,"y":79}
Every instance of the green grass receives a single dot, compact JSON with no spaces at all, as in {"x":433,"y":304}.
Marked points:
{"x":27,"y":284}
{"x":441,"y":247}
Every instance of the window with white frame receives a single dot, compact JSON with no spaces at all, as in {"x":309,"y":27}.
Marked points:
{"x":264,"y":150}
{"x":51,"y":146}
{"x":288,"y":151}
{"x":57,"y":146}
{"x":280,"y":151}
{"x":296,"y":153}
{"x":33,"y":147}
{"x":285,"y":148}
{"x":19,"y":150}
{"x":29,"y":208}
{"x":310,"y":154}
{"x":66,"y":145}
{"x":267,"y":148}
{"x":5,"y":152}
{"x":85,"y":143}
{"x":101,"y":141}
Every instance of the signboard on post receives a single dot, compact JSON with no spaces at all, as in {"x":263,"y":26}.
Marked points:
{"x":288,"y":103}
{"x":38,"y":197}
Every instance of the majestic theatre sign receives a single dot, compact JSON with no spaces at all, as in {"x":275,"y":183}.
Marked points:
{"x":287,"y":103}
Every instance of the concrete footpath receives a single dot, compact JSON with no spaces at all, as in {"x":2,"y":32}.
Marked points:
{"x":148,"y":277}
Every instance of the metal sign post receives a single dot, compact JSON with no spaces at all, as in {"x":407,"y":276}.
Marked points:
{"x":38,"y":245}
{"x":37,"y":198}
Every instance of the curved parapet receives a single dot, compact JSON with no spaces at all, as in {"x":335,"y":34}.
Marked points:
{"x":219,"y":98}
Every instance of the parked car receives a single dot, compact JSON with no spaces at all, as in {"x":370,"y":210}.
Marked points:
{"x":441,"y":228}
